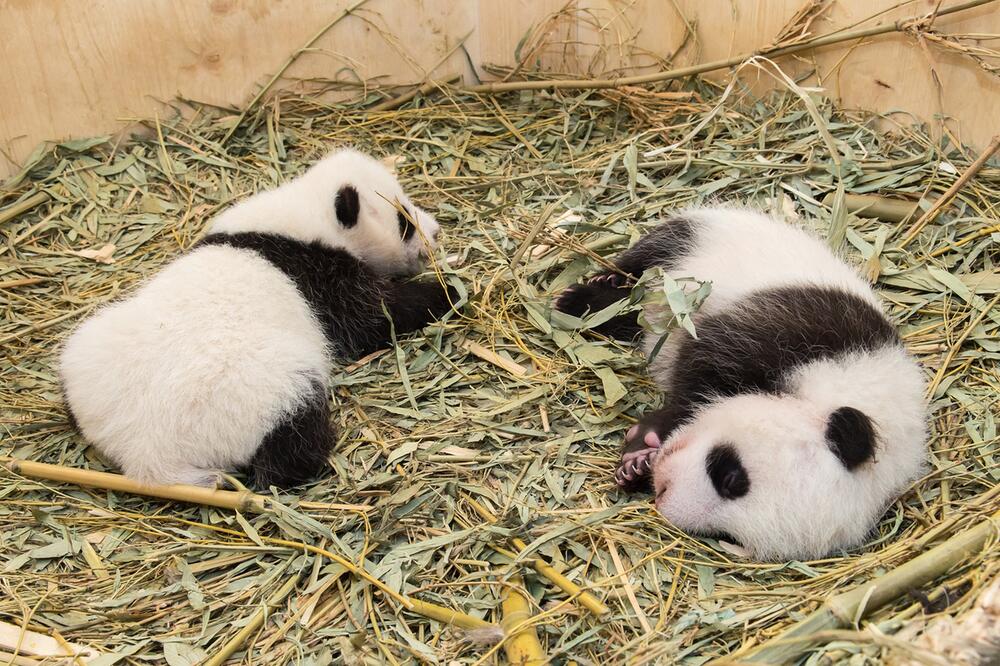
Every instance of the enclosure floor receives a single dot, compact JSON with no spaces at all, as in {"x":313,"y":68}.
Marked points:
{"x":531,"y":191}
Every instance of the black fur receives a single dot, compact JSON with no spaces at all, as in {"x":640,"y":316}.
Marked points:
{"x":851,"y":436}
{"x":729,"y":478}
{"x":296,"y":450}
{"x":348,"y":206}
{"x":344,"y":293}
{"x":664,"y":245}
{"x":406,"y":227}
{"x":581,"y":299}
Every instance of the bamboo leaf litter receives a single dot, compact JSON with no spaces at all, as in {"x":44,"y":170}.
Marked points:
{"x":506,"y":404}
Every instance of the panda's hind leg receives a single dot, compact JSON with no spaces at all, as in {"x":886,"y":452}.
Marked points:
{"x":297,"y":449}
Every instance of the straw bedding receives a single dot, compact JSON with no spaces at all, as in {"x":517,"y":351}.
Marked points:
{"x":502,"y":403}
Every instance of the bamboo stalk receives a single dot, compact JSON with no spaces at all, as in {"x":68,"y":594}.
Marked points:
{"x":845,"y":609}
{"x":873,"y":205}
{"x":547,"y":571}
{"x":521,"y":645}
{"x":681,"y":72}
{"x":23,"y":206}
{"x":950,"y":193}
{"x":245,"y":501}
{"x":234,"y":643}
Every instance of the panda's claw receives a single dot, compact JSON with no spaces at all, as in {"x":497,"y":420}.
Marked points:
{"x":610,"y":280}
{"x":635,"y":464}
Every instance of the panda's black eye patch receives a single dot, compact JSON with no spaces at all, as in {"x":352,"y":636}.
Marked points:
{"x":348,"y":206}
{"x":406,"y":228}
{"x":726,"y":471}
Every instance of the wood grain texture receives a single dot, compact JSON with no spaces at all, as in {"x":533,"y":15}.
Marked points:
{"x":74,"y":68}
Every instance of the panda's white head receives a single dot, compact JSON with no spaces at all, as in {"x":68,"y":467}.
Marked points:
{"x":780,"y":475}
{"x":347,"y":200}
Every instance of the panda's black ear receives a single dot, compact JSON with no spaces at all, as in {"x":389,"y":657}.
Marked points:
{"x":348,"y":206}
{"x":851,"y":436}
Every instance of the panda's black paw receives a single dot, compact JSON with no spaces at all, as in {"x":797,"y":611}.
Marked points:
{"x":577,"y":300}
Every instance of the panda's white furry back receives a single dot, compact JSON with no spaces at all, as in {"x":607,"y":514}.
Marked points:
{"x":796,"y":416}
{"x":222,"y":360}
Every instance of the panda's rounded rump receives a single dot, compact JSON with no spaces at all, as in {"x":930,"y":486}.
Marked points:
{"x":196,"y":367}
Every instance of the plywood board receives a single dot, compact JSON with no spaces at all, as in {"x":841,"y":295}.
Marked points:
{"x":76,"y":68}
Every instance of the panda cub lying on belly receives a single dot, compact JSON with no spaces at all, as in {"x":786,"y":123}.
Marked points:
{"x":796,"y":417}
{"x":222,"y":360}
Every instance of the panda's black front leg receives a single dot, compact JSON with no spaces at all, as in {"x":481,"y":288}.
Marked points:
{"x":643,"y":442}
{"x":413,"y":305}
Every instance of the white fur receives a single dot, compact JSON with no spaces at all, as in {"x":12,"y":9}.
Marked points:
{"x":802,"y":501}
{"x":185,"y":377}
{"x":164,"y":384}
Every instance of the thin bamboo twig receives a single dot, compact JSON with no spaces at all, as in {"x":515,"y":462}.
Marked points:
{"x":988,"y":231}
{"x":950,"y":193}
{"x":245,"y":501}
{"x":824,"y":40}
{"x":547,"y":571}
{"x":849,"y":607}
{"x":288,"y":63}
{"x":425,"y":89}
{"x":255,"y":623}
{"x":521,"y":644}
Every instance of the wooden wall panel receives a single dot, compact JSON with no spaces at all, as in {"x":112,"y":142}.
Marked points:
{"x":74,"y":68}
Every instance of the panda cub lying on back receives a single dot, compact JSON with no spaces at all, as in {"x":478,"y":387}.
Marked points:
{"x":222,"y":360}
{"x":795,"y":417}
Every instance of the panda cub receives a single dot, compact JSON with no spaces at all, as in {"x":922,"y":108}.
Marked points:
{"x":222,"y":360}
{"x":795,"y":417}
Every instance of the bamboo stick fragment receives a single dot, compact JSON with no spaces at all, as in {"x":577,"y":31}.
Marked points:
{"x":237,"y":641}
{"x":873,"y":205}
{"x":521,"y":645}
{"x":245,"y":501}
{"x":482,"y":352}
{"x":849,"y":607}
{"x":547,"y":571}
{"x":950,"y":193}
{"x":681,"y":72}
{"x":23,"y":206}
{"x":447,"y":615}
